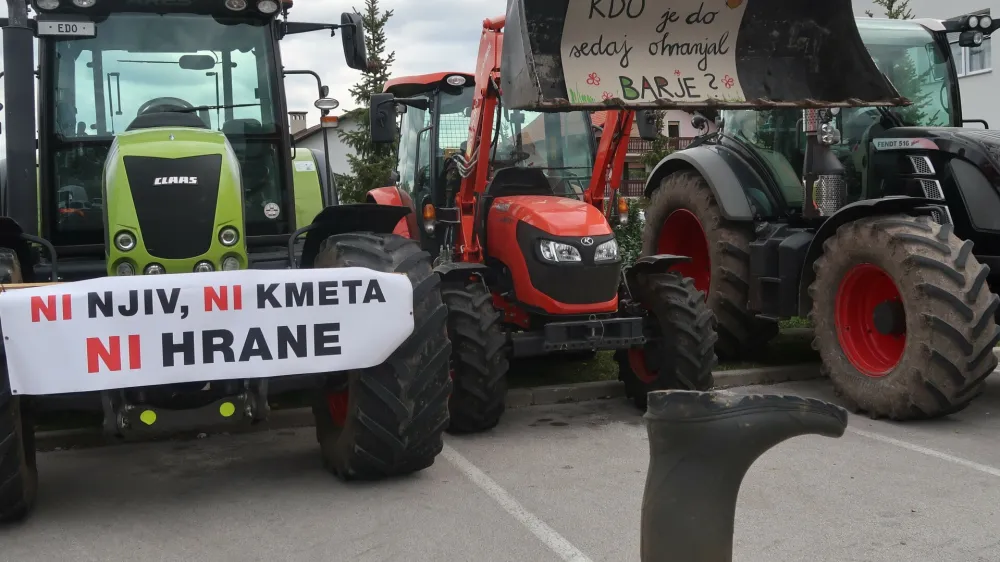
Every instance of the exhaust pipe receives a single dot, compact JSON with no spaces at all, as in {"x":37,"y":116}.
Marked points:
{"x":701,"y":444}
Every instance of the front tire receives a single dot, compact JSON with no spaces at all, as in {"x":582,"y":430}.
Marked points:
{"x":479,"y":359}
{"x":683,"y":356}
{"x":18,"y":471}
{"x":904,"y":318}
{"x":388,"y":420}
{"x":684,"y":219}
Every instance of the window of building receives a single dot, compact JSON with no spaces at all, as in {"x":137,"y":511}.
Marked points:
{"x":673,"y":129}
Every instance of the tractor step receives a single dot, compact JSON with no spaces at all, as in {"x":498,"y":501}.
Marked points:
{"x":580,"y":335}
{"x":140,"y":420}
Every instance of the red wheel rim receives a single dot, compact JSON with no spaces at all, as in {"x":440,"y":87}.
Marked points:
{"x":637,"y":360}
{"x":862,"y":289}
{"x":337,"y":402}
{"x":683,"y":235}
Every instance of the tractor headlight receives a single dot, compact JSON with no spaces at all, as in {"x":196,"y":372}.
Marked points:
{"x":83,"y":3}
{"x":124,"y":268}
{"x":47,"y":4}
{"x":230,"y":263}
{"x":124,"y":241}
{"x":204,"y":267}
{"x":607,"y":251}
{"x":267,"y":6}
{"x":558,"y":252}
{"x":985,"y":22}
{"x":154,"y":269}
{"x":236,"y":5}
{"x":229,"y":236}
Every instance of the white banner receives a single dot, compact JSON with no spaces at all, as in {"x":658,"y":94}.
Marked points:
{"x":121,"y":332}
{"x":639,"y":50}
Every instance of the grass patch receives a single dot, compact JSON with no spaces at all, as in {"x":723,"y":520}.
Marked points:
{"x":795,"y":323}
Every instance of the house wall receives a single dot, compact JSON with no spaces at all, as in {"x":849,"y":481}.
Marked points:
{"x":338,"y":151}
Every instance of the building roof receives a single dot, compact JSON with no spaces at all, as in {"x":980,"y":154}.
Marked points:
{"x":306,"y":133}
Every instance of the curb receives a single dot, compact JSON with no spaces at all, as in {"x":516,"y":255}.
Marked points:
{"x":516,"y":398}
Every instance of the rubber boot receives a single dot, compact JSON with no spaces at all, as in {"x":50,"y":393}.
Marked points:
{"x":701,"y":444}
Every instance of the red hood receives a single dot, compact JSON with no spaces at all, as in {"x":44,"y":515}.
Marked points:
{"x":559,"y":216}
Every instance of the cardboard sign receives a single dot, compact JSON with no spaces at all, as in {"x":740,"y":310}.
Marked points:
{"x":623,"y":49}
{"x":122,"y":332}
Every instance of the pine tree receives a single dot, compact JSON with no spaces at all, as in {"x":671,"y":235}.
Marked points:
{"x":904,"y":75}
{"x":894,"y":9}
{"x":371,"y":166}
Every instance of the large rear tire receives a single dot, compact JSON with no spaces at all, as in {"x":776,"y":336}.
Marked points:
{"x":479,"y":359}
{"x":389,"y":419}
{"x":683,"y":354}
{"x":904,"y":318}
{"x":683,"y":218}
{"x":18,"y":471}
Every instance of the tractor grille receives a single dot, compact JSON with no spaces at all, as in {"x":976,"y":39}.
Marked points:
{"x":576,"y":283}
{"x":829,"y":193}
{"x":932,"y":190}
{"x":177,"y":220}
{"x":922,"y":165}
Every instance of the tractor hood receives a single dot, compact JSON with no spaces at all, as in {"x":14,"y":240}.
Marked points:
{"x":979,"y":146}
{"x":559,"y":216}
{"x":577,"y":54}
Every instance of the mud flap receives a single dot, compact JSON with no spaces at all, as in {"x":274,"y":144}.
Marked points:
{"x":592,"y":54}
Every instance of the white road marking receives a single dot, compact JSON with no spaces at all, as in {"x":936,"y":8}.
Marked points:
{"x":552,"y":539}
{"x":986,"y":469}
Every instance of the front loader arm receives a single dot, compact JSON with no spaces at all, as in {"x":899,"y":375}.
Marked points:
{"x":609,"y":164}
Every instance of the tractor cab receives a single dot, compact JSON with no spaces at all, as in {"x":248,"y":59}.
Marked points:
{"x":437,"y":118}
{"x":913,"y":59}
{"x":162,"y":124}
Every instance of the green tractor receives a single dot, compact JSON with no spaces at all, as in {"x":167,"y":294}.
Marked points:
{"x":163,"y":151}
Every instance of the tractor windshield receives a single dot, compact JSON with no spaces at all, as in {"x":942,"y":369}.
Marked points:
{"x":559,"y":143}
{"x":219,"y":70}
{"x":917,"y":66}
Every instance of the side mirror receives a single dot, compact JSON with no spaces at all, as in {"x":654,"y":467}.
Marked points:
{"x":352,"y":32}
{"x":699,"y":122}
{"x":382,"y":114}
{"x":394,"y":178}
{"x":645,"y":121}
{"x":324,"y":91}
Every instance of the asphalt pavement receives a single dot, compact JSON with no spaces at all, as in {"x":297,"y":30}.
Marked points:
{"x":561,"y":482}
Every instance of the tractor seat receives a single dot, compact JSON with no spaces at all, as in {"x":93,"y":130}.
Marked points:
{"x":166,"y":119}
{"x":509,"y":182}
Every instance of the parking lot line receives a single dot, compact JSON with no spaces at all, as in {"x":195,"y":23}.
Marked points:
{"x":986,"y":469}
{"x":549,"y":536}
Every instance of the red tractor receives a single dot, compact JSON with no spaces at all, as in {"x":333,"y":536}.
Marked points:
{"x":512,"y":206}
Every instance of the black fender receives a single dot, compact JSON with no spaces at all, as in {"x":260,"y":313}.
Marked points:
{"x":660,"y":263}
{"x":459,"y":272}
{"x":727,"y":183}
{"x":849,"y":213}
{"x":12,"y":236}
{"x":325,"y":186}
{"x":338,"y":219}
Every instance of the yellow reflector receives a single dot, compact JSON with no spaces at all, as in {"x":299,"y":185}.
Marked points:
{"x":148,"y":417}
{"x":227,"y":409}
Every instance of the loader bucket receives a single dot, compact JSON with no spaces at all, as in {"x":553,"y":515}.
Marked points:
{"x":563,"y":55}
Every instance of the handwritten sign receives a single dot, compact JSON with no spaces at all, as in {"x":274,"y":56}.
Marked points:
{"x":123,"y":332}
{"x":639,"y":50}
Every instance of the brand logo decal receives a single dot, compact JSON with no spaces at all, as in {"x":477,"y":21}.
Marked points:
{"x":587,"y":241}
{"x":174,"y":180}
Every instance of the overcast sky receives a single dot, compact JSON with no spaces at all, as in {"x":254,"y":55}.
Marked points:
{"x":427,"y":35}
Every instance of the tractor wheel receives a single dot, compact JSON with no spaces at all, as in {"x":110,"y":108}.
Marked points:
{"x":904,"y":319}
{"x":683,"y":219}
{"x":479,"y":359}
{"x":389,"y":419}
{"x":682,"y":355}
{"x":18,"y":473}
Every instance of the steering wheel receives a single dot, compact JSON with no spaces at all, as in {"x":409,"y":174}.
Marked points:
{"x":164,"y":104}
